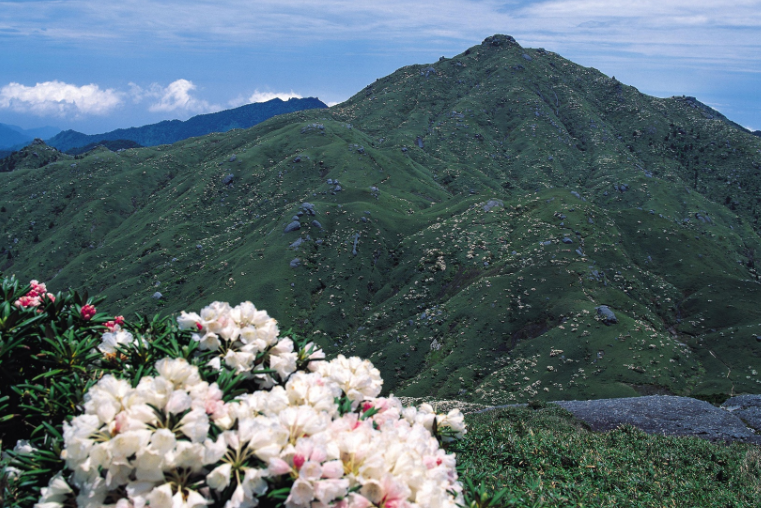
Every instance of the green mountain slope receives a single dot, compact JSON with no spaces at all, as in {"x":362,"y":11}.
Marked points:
{"x":171,"y":131}
{"x":471,"y":217}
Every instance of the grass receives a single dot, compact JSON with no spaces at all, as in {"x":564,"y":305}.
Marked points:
{"x":546,"y":458}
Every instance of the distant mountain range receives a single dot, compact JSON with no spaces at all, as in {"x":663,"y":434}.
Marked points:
{"x":12,"y":136}
{"x":171,"y":131}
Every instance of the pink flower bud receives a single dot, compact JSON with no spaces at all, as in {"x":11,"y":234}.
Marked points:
{"x":87,"y":312}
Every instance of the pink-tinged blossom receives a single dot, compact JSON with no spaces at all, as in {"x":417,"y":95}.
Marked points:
{"x":38,"y":288}
{"x":35,"y":296}
{"x":28,"y":301}
{"x":87,"y":312}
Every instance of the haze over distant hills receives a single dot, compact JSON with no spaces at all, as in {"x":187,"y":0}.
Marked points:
{"x":13,"y":136}
{"x":171,"y":131}
{"x":500,"y":226}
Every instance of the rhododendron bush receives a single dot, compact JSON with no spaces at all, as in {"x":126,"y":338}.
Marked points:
{"x":218,"y":409}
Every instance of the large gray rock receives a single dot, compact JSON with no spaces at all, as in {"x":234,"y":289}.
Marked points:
{"x":663,"y":414}
{"x":157,"y":296}
{"x":607,"y":315}
{"x":295,"y":262}
{"x":293,"y":226}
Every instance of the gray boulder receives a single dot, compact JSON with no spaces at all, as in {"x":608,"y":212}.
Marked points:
{"x":293,"y":226}
{"x":493,"y":203}
{"x":664,"y":415}
{"x":317,"y":224}
{"x":607,"y":316}
{"x":295,"y":262}
{"x":747,"y":408}
{"x":157,"y":296}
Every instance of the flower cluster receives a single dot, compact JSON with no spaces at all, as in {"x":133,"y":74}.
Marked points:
{"x":246,"y":338}
{"x":87,"y":312}
{"x":115,"y":336}
{"x":35,"y":296}
{"x":317,"y":433}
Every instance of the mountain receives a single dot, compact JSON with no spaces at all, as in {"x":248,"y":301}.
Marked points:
{"x":12,"y":136}
{"x":34,"y":156}
{"x":171,"y":131}
{"x":500,"y":226}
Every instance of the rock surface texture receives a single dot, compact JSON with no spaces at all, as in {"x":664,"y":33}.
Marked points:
{"x":671,"y":416}
{"x":738,"y":419}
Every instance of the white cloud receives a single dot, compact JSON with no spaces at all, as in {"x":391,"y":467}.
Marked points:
{"x":258,"y":96}
{"x":59,"y":99}
{"x":176,"y":97}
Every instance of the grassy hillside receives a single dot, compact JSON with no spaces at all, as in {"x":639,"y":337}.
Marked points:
{"x":471,"y":216}
{"x":546,"y":458}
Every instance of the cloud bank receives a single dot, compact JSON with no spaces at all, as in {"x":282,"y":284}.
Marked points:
{"x":66,"y":100}
{"x":56,"y":98}
{"x":669,"y":24}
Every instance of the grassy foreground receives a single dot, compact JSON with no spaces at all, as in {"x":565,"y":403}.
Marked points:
{"x":547,"y":458}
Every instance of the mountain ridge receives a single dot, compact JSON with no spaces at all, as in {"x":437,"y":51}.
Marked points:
{"x":468,"y":225}
{"x":171,"y":131}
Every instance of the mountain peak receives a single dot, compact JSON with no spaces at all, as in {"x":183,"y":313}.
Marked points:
{"x":498,"y":40}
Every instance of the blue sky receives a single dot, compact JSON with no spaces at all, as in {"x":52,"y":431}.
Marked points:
{"x":94,"y":66}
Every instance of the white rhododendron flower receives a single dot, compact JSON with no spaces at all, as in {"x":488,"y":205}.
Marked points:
{"x":314,"y":427}
{"x":112,"y":340}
